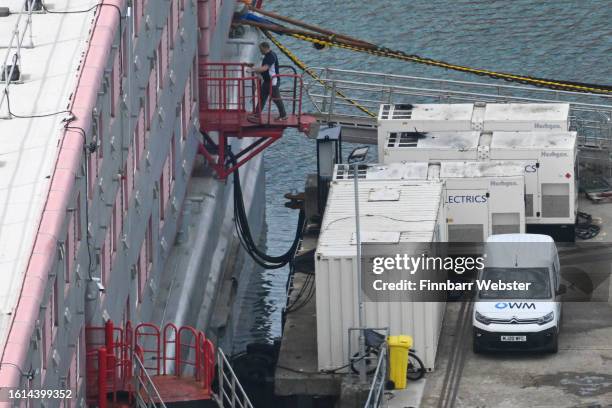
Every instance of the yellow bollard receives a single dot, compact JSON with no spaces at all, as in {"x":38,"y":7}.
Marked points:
{"x":398,"y":359}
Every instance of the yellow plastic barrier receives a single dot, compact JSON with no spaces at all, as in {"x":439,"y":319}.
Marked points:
{"x":398,"y":359}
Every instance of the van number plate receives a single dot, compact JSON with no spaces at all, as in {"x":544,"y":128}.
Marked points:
{"x":513,"y":338}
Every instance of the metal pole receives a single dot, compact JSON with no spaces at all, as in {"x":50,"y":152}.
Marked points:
{"x":361,"y":363}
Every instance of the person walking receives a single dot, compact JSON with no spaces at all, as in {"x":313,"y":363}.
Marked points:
{"x":270,"y":82}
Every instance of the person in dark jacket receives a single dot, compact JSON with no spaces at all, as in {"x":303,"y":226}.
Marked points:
{"x":268,"y":71}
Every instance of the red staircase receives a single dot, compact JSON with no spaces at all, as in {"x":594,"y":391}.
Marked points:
{"x":230,"y":105}
{"x":177,"y":363}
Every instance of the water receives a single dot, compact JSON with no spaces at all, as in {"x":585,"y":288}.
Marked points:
{"x":569,"y":40}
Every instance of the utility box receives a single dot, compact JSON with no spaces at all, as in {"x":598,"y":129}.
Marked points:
{"x":527,"y":117}
{"x":396,"y":217}
{"x":481,"y":198}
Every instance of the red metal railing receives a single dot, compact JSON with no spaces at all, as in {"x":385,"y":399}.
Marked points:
{"x":108,"y":364}
{"x":147,"y":332}
{"x":291,"y":97}
{"x":227,"y":95}
{"x":171,"y":351}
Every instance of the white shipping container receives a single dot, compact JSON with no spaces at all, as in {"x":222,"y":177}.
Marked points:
{"x":395,"y":215}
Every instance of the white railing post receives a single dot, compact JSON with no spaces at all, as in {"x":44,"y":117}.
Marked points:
{"x":13,"y":51}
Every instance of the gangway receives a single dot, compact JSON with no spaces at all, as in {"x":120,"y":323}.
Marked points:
{"x":230,"y":106}
{"x":352,"y":99}
{"x":149,"y":366}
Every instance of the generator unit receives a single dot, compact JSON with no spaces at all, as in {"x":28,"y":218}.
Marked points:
{"x":480,"y":198}
{"x":551,"y":182}
{"x":415,"y":146}
{"x":397,"y":216}
{"x":433,"y":117}
{"x":478,"y":116}
{"x":527,"y":117}
{"x":549,"y":160}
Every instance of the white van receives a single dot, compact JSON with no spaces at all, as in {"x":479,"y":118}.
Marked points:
{"x":517,"y":304}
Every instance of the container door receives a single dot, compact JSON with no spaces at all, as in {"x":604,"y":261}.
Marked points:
{"x":467,"y":214}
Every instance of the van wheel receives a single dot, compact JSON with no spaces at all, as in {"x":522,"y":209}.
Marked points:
{"x":476,"y":347}
{"x":554,"y":346}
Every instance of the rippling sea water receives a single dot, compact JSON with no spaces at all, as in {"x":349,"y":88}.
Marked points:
{"x":570,"y":40}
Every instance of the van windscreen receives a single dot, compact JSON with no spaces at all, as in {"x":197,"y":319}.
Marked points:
{"x":537,"y":278}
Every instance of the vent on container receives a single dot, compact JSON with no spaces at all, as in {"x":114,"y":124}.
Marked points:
{"x":404,"y":139}
{"x":505,"y":223}
{"x":555,"y":200}
{"x":384,"y":112}
{"x":465,"y":233}
{"x":346,"y":172}
{"x":402,"y":111}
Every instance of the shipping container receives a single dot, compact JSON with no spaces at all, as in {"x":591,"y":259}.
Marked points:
{"x":394,"y":216}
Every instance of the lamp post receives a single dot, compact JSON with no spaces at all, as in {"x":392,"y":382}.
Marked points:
{"x":358,"y":155}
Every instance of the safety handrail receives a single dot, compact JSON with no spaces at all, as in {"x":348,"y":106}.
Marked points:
{"x":18,"y":34}
{"x":230,"y":394}
{"x":295,"y":99}
{"x":377,"y":386}
{"x":170,"y":337}
{"x":328,"y":72}
{"x":144,"y":331}
{"x":147,"y":395}
{"x":591,"y":114}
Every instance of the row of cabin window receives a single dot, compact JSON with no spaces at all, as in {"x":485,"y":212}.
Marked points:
{"x":162,"y":52}
{"x":73,"y":238}
{"x":138,"y":13}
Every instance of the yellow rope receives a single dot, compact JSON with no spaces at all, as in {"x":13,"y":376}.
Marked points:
{"x":300,"y":64}
{"x":482,"y":72}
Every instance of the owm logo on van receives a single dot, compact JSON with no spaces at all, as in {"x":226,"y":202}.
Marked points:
{"x":515,"y":305}
{"x":467,"y":199}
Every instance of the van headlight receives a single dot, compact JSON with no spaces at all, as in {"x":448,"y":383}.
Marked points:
{"x":546,"y":318}
{"x":482,"y":319}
